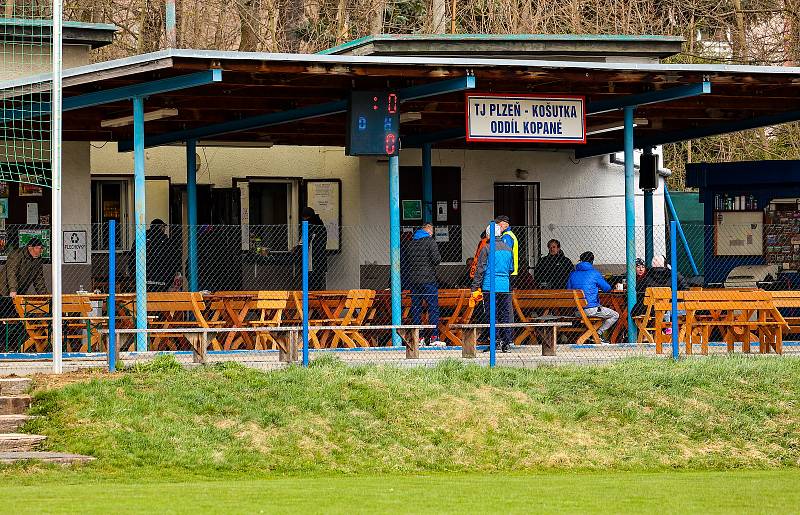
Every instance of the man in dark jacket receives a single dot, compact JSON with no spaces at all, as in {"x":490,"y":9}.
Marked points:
{"x":23,"y":269}
{"x":586,"y":278}
{"x":554,"y":268}
{"x":421,"y":259}
{"x":318,"y":245}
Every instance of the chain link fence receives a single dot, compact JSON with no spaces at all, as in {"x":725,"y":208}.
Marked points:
{"x":241,"y":296}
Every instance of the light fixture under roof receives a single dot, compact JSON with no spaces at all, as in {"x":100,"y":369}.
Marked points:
{"x":158,"y":114}
{"x":615,"y":126}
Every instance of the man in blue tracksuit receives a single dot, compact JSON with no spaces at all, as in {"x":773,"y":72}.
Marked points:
{"x":587,"y":278}
{"x":503,"y":267}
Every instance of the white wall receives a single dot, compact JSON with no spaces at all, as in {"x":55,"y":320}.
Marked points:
{"x":219,"y":166}
{"x":582,"y":201}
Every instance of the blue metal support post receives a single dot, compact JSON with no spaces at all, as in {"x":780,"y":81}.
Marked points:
{"x":394,"y":246}
{"x":674,"y":315}
{"x":630,"y":222}
{"x":191,"y":210}
{"x":140,"y":217}
{"x":305,"y":292}
{"x":492,"y":298}
{"x":111,"y":308}
{"x":674,"y":215}
{"x":427,"y":184}
{"x":648,"y":219}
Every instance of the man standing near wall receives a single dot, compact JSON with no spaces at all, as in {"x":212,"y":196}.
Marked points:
{"x":503,"y":266}
{"x":510,"y":239}
{"x":23,"y":269}
{"x":318,"y":250}
{"x":421,"y":259}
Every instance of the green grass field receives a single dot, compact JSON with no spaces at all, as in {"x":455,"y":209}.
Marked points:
{"x":714,"y":435}
{"x":622,"y":492}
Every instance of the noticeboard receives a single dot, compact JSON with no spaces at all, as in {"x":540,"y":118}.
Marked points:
{"x":325,"y":197}
{"x":412,"y":210}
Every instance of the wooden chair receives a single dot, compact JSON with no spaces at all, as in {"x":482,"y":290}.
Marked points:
{"x":652,"y":325}
{"x":736,"y":315}
{"x":454,"y":309}
{"x":353,"y":312}
{"x":788,"y":300}
{"x":35,"y":309}
{"x":565,"y":305}
{"x":270,"y":306}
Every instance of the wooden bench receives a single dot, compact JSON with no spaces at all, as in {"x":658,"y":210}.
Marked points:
{"x":788,"y":300}
{"x":557,"y":305}
{"x":79,"y":326}
{"x":736,"y":314}
{"x":174,"y":311}
{"x":469,"y":346}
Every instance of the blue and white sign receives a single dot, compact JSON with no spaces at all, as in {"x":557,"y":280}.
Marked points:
{"x":526,"y":118}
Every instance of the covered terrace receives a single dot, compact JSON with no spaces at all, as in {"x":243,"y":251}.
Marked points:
{"x":290,"y":99}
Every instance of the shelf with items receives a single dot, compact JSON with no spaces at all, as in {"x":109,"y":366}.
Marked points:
{"x":782,"y":234}
{"x":735,"y":202}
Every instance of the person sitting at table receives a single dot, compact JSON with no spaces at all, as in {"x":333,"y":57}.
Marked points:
{"x":660,"y":275}
{"x":554,"y":268}
{"x":591,"y":282}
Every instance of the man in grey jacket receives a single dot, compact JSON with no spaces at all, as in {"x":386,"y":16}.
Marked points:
{"x":421,"y":259}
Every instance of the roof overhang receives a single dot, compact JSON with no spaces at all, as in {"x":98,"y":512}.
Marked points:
{"x":36,"y":31}
{"x":255,"y":84}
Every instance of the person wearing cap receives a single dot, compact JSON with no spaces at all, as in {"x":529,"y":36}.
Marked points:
{"x":587,"y":278}
{"x":503,"y":266}
{"x":318,"y":250}
{"x":23,"y":269}
{"x":510,"y":239}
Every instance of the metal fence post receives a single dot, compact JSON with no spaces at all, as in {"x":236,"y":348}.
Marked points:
{"x":305,"y":293}
{"x":492,"y":298}
{"x":112,"y":295}
{"x":673,"y":251}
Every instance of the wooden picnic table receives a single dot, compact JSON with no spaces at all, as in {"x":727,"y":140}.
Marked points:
{"x":618,"y":301}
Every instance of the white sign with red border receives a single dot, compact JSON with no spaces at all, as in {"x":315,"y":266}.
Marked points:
{"x":526,"y":118}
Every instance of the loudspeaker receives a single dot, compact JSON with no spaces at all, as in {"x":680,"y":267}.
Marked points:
{"x":648,"y":171}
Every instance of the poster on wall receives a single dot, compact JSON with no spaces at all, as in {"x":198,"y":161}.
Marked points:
{"x":32,"y":213}
{"x":4,"y":189}
{"x":29,"y":190}
{"x":441,"y":211}
{"x":325,"y":197}
{"x":3,"y":243}
{"x":412,"y":210}
{"x":3,"y":208}
{"x":26,"y":235}
{"x":739,"y":233}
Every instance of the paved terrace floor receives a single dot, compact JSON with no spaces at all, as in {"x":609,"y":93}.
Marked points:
{"x":521,"y":356}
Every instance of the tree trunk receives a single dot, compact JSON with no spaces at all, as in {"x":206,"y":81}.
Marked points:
{"x":376,"y":25}
{"x":295,"y":24}
{"x":740,"y":35}
{"x":248,"y":23}
{"x":439,"y":14}
{"x":151,"y":23}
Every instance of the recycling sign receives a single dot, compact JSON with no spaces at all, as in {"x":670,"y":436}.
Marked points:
{"x":75,"y":248}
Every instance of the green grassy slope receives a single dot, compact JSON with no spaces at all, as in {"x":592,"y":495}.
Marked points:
{"x":228,"y":420}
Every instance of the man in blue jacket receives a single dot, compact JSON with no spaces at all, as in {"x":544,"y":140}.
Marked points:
{"x":503,"y":266}
{"x":421,"y":259}
{"x":587,"y":278}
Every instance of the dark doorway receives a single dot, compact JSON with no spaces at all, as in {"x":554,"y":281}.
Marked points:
{"x":446,"y":206}
{"x":520,"y":202}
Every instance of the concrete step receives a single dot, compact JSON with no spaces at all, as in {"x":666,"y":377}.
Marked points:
{"x":14,"y":385}
{"x":20,"y":442}
{"x":48,"y":457}
{"x":11,"y":423}
{"x":14,"y":404}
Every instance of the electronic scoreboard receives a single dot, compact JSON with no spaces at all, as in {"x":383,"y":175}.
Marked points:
{"x":373,"y":127}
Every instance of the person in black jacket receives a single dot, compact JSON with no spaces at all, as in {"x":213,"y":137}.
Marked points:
{"x":318,"y":245}
{"x":554,"y":268}
{"x":421,"y":259}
